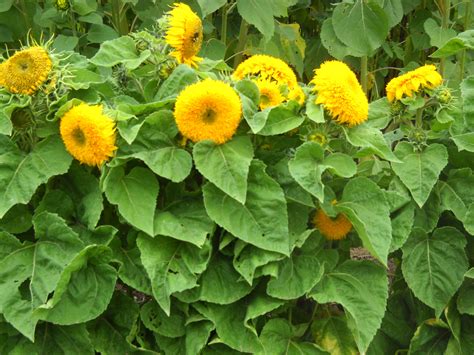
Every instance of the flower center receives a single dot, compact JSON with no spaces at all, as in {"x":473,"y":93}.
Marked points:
{"x":264,"y":99}
{"x":23,"y":65}
{"x":209,"y":116}
{"x":79,"y":136}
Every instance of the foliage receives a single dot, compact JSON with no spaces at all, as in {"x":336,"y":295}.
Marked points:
{"x":182,"y":246}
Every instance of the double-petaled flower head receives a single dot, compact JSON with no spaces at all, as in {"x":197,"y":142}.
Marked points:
{"x":26,"y":71}
{"x":88,"y":134}
{"x":339,"y":91}
{"x":406,"y":85}
{"x":184,"y":34}
{"x":209,"y":109}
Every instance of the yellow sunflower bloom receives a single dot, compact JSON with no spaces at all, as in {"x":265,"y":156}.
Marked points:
{"x":184,"y":34}
{"x":268,"y":68}
{"x":340,"y":92}
{"x":210,"y":109}
{"x":25,"y":71}
{"x":270,"y":94}
{"x":332,"y":228}
{"x":297,"y":94}
{"x":89,"y":135}
{"x":413,"y":81}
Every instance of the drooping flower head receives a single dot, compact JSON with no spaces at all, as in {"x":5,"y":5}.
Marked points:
{"x":341,"y":94}
{"x":270,"y":94}
{"x":184,"y":34}
{"x":332,"y":228}
{"x":268,"y":68}
{"x":413,"y":81}
{"x":26,"y":71}
{"x":89,"y":135}
{"x":209,"y":109}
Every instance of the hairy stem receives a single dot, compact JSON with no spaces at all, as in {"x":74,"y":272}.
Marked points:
{"x":444,"y":6}
{"x":244,"y":27}
{"x":363,"y":73}
{"x":224,"y":25}
{"x":467,"y":20}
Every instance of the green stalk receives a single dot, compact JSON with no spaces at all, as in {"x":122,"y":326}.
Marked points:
{"x":119,"y":17}
{"x":419,"y":118}
{"x":363,"y":73}
{"x":244,"y":27}
{"x":445,"y":6}
{"x":224,"y":25}
{"x":467,"y":19}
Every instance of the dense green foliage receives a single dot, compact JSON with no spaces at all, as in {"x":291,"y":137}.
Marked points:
{"x":177,"y":247}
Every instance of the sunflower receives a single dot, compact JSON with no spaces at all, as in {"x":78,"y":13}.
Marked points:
{"x":270,"y":94}
{"x":209,"y":109}
{"x":89,"y":135}
{"x":26,"y":70}
{"x":412,"y":82}
{"x":184,"y":34}
{"x":268,"y":68}
{"x":340,"y":92}
{"x":297,"y":94}
{"x":332,"y":228}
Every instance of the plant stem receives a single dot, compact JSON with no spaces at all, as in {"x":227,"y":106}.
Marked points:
{"x":119,"y":17}
{"x":224,"y":25}
{"x":244,"y":27}
{"x":467,"y":19}
{"x":419,"y":118}
{"x":363,"y":73}
{"x":444,"y":6}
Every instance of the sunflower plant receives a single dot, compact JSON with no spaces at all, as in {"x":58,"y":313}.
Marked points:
{"x":187,"y":189}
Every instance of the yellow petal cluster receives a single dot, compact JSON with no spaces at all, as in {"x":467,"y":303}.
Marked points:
{"x":209,"y":109}
{"x":266,"y":67}
{"x":413,"y":81}
{"x":25,"y":71}
{"x":270,"y":74}
{"x":332,"y":228}
{"x":339,"y":91}
{"x":89,"y":135}
{"x":184,"y":34}
{"x":270,"y":94}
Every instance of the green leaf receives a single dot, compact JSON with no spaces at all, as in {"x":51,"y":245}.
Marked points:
{"x":434,"y":265}
{"x":298,"y":274}
{"x":135,"y":195}
{"x":73,"y":339}
{"x":464,"y":141}
{"x":84,"y":289}
{"x":184,"y":220}
{"x":226,"y":165}
{"x":156,"y":320}
{"x":17,"y":220}
{"x":280,"y":120}
{"x":181,"y":77}
{"x":42,"y":264}
{"x":83,"y":7}
{"x":309,"y":164}
{"x":438,"y":35}
{"x":110,"y":333}
{"x":402,"y":224}
{"x":278,"y":337}
{"x":364,"y":136}
{"x":258,"y":13}
{"x":230,"y":328}
{"x":171,"y":266}
{"x":262,"y":221}
{"x":332,"y":43}
{"x":361,"y":287}
{"x":6,"y":5}
{"x":465,"y":300}
{"x":333,"y":335}
{"x":419,"y":171}
{"x":429,"y":338}
{"x":362,"y":25}
{"x":119,"y":51}
{"x":131,"y":272}
{"x":209,"y":6}
{"x":464,"y":40}
{"x":157,"y":150}
{"x":260,"y":304}
{"x":23,"y":173}
{"x":86,"y":194}
{"x":394,"y":11}
{"x":314,"y":112}
{"x":364,"y":204}
{"x":467,"y":94}
{"x":221,"y":284}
